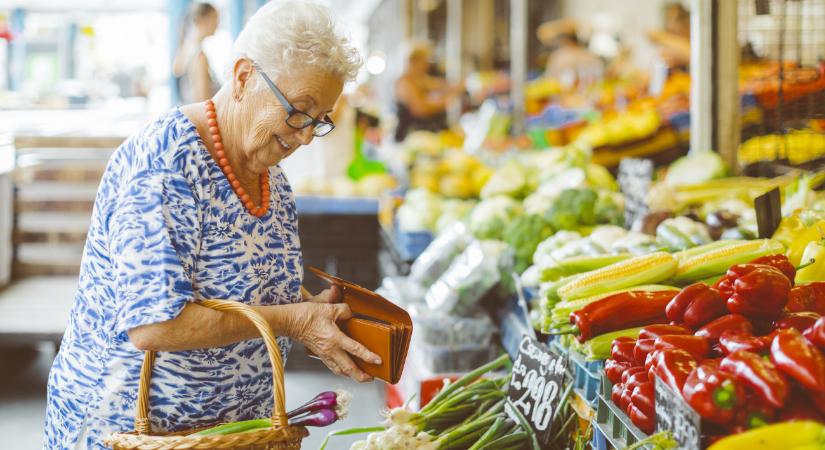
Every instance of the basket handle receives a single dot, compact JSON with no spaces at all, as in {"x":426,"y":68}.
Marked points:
{"x":279,"y":419}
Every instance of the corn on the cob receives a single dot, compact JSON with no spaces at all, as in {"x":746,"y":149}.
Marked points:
{"x":718,"y":260}
{"x":702,"y":249}
{"x":579,"y":264}
{"x":645,"y":269}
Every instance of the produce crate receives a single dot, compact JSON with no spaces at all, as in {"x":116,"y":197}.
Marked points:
{"x":599,"y":441}
{"x":612,"y":424}
{"x":586,"y":377}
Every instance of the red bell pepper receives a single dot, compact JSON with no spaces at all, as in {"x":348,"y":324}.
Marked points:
{"x":644,"y":422}
{"x":622,"y":349}
{"x":697,"y":346}
{"x":816,"y":333}
{"x":734,"y":340}
{"x":799,"y":359}
{"x":808,"y":297}
{"x":755,"y":413}
{"x":673,"y":366}
{"x":611,"y":313}
{"x":644,"y":398}
{"x":725,"y":284}
{"x":624,"y":399}
{"x":762,"y":293}
{"x":616,"y":393}
{"x":800,"y":407}
{"x":650,"y":364}
{"x":713,"y":330}
{"x":780,"y":262}
{"x":635,"y":379}
{"x":818,"y":399}
{"x":696,"y":305}
{"x":631,"y":371}
{"x":642,"y":349}
{"x":759,"y":374}
{"x":613,"y":370}
{"x":632,"y":381}
{"x":654,"y":331}
{"x":800,"y":321}
{"x":714,"y":394}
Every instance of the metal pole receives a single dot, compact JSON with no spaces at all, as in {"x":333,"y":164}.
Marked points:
{"x":236,"y":17}
{"x":726,"y":86}
{"x":17,"y":49}
{"x":518,"y":61}
{"x":176,"y":11}
{"x":701,"y":75}
{"x":454,"y":56}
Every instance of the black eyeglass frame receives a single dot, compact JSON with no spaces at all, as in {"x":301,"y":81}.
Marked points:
{"x":293,"y":111}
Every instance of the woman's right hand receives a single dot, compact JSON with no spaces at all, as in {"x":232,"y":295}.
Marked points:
{"x":315,"y":325}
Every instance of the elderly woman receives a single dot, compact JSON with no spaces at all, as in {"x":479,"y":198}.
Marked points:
{"x":194,"y":206}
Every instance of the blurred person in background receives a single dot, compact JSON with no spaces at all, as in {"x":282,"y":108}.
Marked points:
{"x":196,"y":81}
{"x":422,"y":99}
{"x":673,"y":40}
{"x":569,"y":61}
{"x":195,"y":206}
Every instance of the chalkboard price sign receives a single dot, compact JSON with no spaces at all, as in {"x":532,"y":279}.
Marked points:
{"x":635,"y":177}
{"x":676,"y":416}
{"x":536,"y":385}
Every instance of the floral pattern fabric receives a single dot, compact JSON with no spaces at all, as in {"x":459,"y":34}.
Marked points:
{"x":167,"y":229}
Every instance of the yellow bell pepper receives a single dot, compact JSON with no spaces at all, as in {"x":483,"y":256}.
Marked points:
{"x":815,"y":271}
{"x":795,"y":235}
{"x":780,"y":436}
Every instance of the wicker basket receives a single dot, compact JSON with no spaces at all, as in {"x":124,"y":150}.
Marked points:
{"x":281,"y":436}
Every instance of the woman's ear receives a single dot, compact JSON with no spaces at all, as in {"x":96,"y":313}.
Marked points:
{"x":241,"y":75}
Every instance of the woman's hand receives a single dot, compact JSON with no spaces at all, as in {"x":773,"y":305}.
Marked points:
{"x":313,"y":323}
{"x":331,"y":295}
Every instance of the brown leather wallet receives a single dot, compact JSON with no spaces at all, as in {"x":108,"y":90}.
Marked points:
{"x":378,"y":324}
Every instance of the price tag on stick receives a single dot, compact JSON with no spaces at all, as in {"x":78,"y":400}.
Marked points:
{"x":536,"y":386}
{"x":675,"y":415}
{"x":635,"y":178}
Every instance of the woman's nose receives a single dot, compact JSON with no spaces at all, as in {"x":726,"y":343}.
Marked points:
{"x":305,"y":135}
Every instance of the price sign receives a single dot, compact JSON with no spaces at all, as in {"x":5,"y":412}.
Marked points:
{"x":536,"y":385}
{"x":768,"y":213}
{"x":676,"y":416}
{"x":635,"y":176}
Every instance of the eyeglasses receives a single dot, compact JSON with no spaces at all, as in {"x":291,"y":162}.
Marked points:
{"x":296,"y":118}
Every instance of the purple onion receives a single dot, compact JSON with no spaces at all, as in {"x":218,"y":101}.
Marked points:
{"x":319,"y":418}
{"x":324,"y":400}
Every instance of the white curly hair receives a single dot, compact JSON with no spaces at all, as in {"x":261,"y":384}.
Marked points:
{"x":286,"y":36}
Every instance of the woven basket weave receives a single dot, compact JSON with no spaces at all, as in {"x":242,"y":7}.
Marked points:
{"x":281,"y":436}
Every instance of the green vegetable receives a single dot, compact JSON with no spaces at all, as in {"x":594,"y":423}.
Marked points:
{"x":574,"y":207}
{"x":524,"y":234}
{"x":609,"y":208}
{"x":235,"y":427}
{"x":490,"y":217}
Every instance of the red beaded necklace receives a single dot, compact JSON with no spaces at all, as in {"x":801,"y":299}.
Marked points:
{"x":226,"y":168}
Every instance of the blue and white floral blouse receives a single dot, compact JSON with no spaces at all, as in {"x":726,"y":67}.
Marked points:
{"x":167,"y":229}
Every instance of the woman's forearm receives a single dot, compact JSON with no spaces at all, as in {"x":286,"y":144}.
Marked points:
{"x":199,"y":327}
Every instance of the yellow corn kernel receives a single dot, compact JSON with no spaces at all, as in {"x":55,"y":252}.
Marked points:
{"x":645,"y":269}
